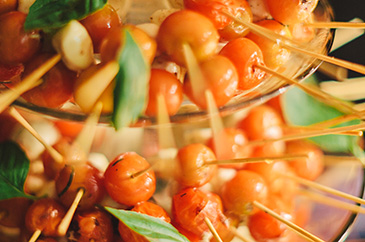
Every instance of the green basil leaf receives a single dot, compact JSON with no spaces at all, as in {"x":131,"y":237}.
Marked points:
{"x":131,"y":87}
{"x":14,"y":167}
{"x":154,"y":229}
{"x":49,"y":14}
{"x":299,"y":108}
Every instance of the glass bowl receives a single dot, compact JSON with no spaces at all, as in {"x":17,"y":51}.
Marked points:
{"x":298,"y":67}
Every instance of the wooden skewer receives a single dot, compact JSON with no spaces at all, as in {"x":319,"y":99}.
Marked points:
{"x":165,"y":134}
{"x":240,"y":236}
{"x":66,"y":221}
{"x":335,"y":25}
{"x":212,"y":229}
{"x":35,"y":235}
{"x":310,"y":134}
{"x":314,"y":91}
{"x":10,"y":95}
{"x":139,"y":173}
{"x":324,"y":188}
{"x":331,"y":159}
{"x":299,"y":129}
{"x":52,"y":151}
{"x":338,"y":120}
{"x":331,"y":201}
{"x":258,"y":159}
{"x":302,"y":232}
{"x":291,"y":45}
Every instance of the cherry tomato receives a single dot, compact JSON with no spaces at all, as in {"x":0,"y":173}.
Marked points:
{"x":274,"y":55}
{"x":166,"y":84}
{"x":309,"y":168}
{"x":181,"y":28}
{"x":94,"y":225}
{"x":13,"y":210}
{"x":47,"y":240}
{"x":8,"y":6}
{"x":193,"y":169}
{"x":44,"y":214}
{"x":291,"y":11}
{"x":235,"y":30}
{"x":301,"y":32}
{"x":212,"y":9}
{"x":56,"y":88}
{"x":231,"y":144}
{"x":80,"y":176}
{"x":189,"y":235}
{"x":16,"y":45}
{"x":121,"y":184}
{"x":99,"y":23}
{"x":263,"y":226}
{"x":244,"y":188}
{"x":220,"y":77}
{"x":7,"y":126}
{"x":148,"y":208}
{"x":69,"y":128}
{"x":245,"y":54}
{"x":191,"y":206}
{"x":8,"y":72}
{"x":113,"y":42}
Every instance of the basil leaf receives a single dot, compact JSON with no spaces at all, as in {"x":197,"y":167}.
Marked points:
{"x":299,"y":108}
{"x":131,"y":88}
{"x":14,"y":167}
{"x":49,"y":14}
{"x":154,"y":229}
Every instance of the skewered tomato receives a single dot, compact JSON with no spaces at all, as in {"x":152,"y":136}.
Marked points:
{"x":45,"y":215}
{"x":220,"y":77}
{"x":124,"y":182}
{"x":12,"y":211}
{"x":16,"y":45}
{"x":245,"y":55}
{"x":169,"y":87}
{"x":194,"y":169}
{"x":181,"y":28}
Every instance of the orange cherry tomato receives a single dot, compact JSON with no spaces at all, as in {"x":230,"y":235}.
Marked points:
{"x":56,"y":88}
{"x":263,"y":226}
{"x":244,"y":188}
{"x":99,"y":23}
{"x":231,"y":144}
{"x":16,"y":45}
{"x":13,"y":211}
{"x":291,"y":11}
{"x":301,"y":32}
{"x":309,"y":168}
{"x":113,"y":42}
{"x":121,"y":184}
{"x":45,"y":215}
{"x":220,"y":77}
{"x":69,"y":128}
{"x":169,"y":87}
{"x":8,"y":6}
{"x":193,"y":169}
{"x":235,"y":30}
{"x":181,"y":28}
{"x":189,"y":235}
{"x":274,"y":55}
{"x":191,"y":206}
{"x":213,"y":10}
{"x":245,"y":54}
{"x":94,"y":225}
{"x":78,"y":176}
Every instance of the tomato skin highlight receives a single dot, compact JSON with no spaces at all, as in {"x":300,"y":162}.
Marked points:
{"x":245,"y":54}
{"x":122,"y":187}
{"x":166,"y":84}
{"x":16,"y":45}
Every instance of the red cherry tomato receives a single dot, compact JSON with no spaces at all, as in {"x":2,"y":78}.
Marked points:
{"x":122,"y":186}
{"x":166,"y":84}
{"x":98,"y":24}
{"x":191,"y":206}
{"x":309,"y":168}
{"x":45,"y":215}
{"x":192,"y":160}
{"x":231,"y":144}
{"x":220,"y":77}
{"x":274,"y":55}
{"x":245,"y":54}
{"x":181,"y":28}
{"x":56,"y":88}
{"x":8,"y":6}
{"x":244,"y":188}
{"x":16,"y":45}
{"x":13,"y":211}
{"x":8,"y":72}
{"x":94,"y":225}
{"x":78,"y":176}
{"x":291,"y":11}
{"x":212,"y":9}
{"x":7,"y":126}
